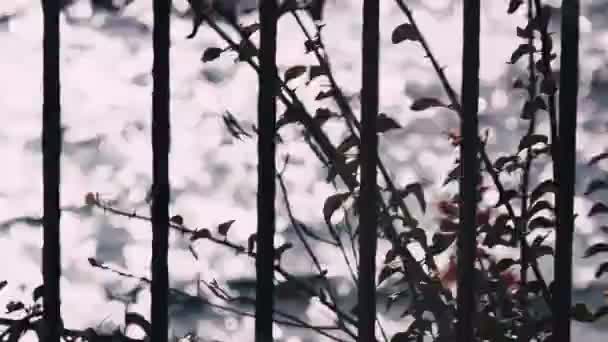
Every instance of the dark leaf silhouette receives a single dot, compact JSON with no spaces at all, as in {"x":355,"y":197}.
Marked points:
{"x":224,"y":227}
{"x":294,"y":72}
{"x":603,"y":268}
{"x":506,"y":197}
{"x":137,"y":319}
{"x":3,"y":284}
{"x":505,"y":264}
{"x":250,"y":29}
{"x":448,"y":226}
{"x":596,"y":185}
{"x":348,"y":143}
{"x":13,"y":306}
{"x":251,"y":242}
{"x":538,"y":206}
{"x":315,"y":71}
{"x":596,"y":159}
{"x":386,"y":123}
{"x":281,"y":249}
{"x":597,"y":209}
{"x":211,"y":54}
{"x":325,"y":94}
{"x":541,"y":222}
{"x":38,"y":293}
{"x":202,"y":233}
{"x":548,"y":86}
{"x":522,"y":49}
{"x":596,"y":248}
{"x":198,"y":9}
{"x":581,"y":313}
{"x":544,"y":187}
{"x":441,"y":242}
{"x":514,"y":5}
{"x":177,"y":219}
{"x":332,"y":203}
{"x":500,"y":163}
{"x":426,"y":103}
{"x":404,"y":32}
{"x":531,"y":140}
{"x":543,"y":250}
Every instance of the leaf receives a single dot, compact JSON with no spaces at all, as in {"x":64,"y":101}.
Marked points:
{"x":500,"y":163}
{"x":538,"y":206}
{"x":542,"y":188}
{"x":294,"y":72}
{"x":597,"y":158}
{"x":315,"y":9}
{"x":93,"y":262}
{"x":332,"y":203}
{"x":292,"y":114}
{"x":543,"y":250}
{"x":38,"y":293}
{"x":177,"y":219}
{"x":531,"y":140}
{"x":441,"y":242}
{"x":281,"y":249}
{"x":598,"y":208}
{"x":596,"y":248}
{"x":531,"y":107}
{"x":202,"y":233}
{"x":426,"y":103}
{"x":385,"y":123}
{"x":520,"y":51}
{"x":223,"y":228}
{"x":211,"y":53}
{"x":139,"y":320}
{"x":348,"y":143}
{"x":453,"y":175}
{"x":596,"y":185}
{"x":581,"y":313}
{"x":506,"y":197}
{"x":13,"y":306}
{"x":197,"y":20}
{"x":322,"y":115}
{"x":603,"y":268}
{"x":3,"y":284}
{"x":505,"y":264}
{"x":514,"y":5}
{"x":250,"y":29}
{"x":548,"y":86}
{"x":524,"y":33}
{"x":325,"y":94}
{"x":251,"y":243}
{"x":448,"y":226}
{"x":246,"y":50}
{"x":405,"y":32}
{"x":519,"y":84}
{"x":415,"y":189}
{"x":315,"y":71}
{"x":385,"y":273}
{"x":541,"y":222}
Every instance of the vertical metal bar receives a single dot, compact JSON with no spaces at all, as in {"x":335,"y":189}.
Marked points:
{"x":51,"y":153}
{"x":568,"y":95}
{"x":268,"y":88}
{"x":470,"y":172}
{"x":161,"y":139}
{"x":368,"y":200}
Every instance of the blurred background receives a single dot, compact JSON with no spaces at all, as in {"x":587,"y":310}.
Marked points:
{"x":106,"y":54}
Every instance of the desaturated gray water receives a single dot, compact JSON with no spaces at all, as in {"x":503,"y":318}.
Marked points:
{"x":106,"y":101}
